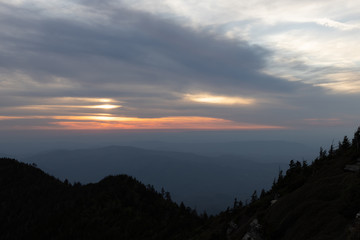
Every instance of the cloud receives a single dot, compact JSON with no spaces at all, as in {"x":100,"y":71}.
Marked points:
{"x":148,"y":62}
{"x":318,"y":34}
{"x":134,"y":48}
{"x":324,"y":122}
{"x":222,"y":100}
{"x":338,"y":25}
{"x":126,"y":123}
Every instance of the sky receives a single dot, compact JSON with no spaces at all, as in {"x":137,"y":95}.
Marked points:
{"x":179,"y":65}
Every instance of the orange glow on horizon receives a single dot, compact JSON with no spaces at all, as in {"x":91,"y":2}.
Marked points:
{"x":179,"y":122}
{"x":107,"y":122}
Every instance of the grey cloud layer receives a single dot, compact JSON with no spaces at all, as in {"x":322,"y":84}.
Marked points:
{"x":148,"y":62}
{"x":132,"y":47}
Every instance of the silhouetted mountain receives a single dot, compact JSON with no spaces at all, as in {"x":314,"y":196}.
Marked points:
{"x":205,"y":183}
{"x":314,"y":201}
{"x":34,"y":205}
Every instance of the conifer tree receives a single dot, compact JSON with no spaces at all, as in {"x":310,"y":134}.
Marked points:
{"x":254,"y":197}
{"x":345,"y":143}
{"x":235,"y":203}
{"x":262,"y":194}
{"x":331,"y":151}
{"x":356,"y":139}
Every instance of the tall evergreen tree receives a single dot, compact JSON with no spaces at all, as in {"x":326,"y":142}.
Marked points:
{"x":345,"y":143}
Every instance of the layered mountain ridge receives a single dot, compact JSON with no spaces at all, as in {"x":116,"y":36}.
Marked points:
{"x":310,"y":200}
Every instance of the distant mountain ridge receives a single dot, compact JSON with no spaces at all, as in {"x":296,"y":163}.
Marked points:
{"x":315,"y":200}
{"x":264,"y":151}
{"x":206,"y":183}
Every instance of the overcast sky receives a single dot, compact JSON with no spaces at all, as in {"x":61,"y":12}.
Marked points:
{"x":171,"y":64}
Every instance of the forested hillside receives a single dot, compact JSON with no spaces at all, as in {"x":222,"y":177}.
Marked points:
{"x":317,"y":200}
{"x":34,"y":205}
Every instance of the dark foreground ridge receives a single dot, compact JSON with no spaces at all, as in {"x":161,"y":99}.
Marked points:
{"x":315,"y":201}
{"x":318,"y":200}
{"x":34,"y":205}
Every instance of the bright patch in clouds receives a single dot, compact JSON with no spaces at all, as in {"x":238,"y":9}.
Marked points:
{"x":222,"y":100}
{"x":71,"y":103}
{"x":48,"y":118}
{"x":105,"y":106}
{"x":342,"y":86}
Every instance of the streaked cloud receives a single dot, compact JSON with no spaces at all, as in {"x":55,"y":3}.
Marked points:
{"x":324,"y":121}
{"x":222,"y":100}
{"x":232,"y":65}
{"x":315,"y":34}
{"x":338,"y":25}
{"x":82,"y":99}
{"x":49,"y":107}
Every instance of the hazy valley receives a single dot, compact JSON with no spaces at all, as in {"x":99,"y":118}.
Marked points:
{"x":308,"y":200}
{"x":202,"y":182}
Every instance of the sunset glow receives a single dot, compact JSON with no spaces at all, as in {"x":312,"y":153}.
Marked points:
{"x":132,"y":123}
{"x":191,"y":122}
{"x":210,"y":62}
{"x":225,"y":100}
{"x":73,"y":103}
{"x":105,"y":106}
